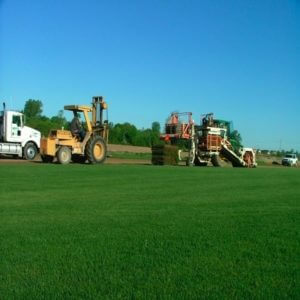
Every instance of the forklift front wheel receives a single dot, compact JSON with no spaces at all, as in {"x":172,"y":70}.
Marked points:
{"x":64,"y":155}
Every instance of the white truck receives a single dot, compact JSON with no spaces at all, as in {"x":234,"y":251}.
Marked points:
{"x":17,"y":139}
{"x":290,"y":160}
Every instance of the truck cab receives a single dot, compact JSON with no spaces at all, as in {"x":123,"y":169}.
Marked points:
{"x":290,"y":160}
{"x":16,"y":138}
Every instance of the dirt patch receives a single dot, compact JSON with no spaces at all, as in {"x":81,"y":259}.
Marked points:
{"x":268,"y":160}
{"x":15,"y":161}
{"x":109,"y":161}
{"x":125,"y":148}
{"x":263,"y":160}
{"x":120,"y":161}
{"x":111,"y":148}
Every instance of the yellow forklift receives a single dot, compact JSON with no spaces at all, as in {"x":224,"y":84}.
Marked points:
{"x":67,"y":147}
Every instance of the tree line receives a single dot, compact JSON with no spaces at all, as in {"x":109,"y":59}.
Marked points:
{"x":126,"y":133}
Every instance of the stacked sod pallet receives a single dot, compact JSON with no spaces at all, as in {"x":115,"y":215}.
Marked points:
{"x":164,"y":155}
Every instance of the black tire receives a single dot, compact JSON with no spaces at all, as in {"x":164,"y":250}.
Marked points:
{"x":215,"y":160}
{"x":64,"y":155}
{"x":79,"y":159}
{"x":96,"y":150}
{"x":30,"y":151}
{"x":47,"y":159}
{"x":198,"y":163}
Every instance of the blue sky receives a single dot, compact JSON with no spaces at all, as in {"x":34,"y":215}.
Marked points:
{"x":238,"y":59}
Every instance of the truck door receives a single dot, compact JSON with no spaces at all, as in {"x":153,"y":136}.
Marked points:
{"x":16,"y":128}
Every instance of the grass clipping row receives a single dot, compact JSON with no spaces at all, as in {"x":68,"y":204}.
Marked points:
{"x":165,"y":155}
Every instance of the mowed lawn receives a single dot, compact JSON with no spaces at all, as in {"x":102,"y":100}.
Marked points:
{"x":145,"y":232}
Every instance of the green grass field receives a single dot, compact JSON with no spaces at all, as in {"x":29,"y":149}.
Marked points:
{"x":144,"y":232}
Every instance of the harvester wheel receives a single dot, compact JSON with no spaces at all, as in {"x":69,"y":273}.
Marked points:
{"x":47,"y":158}
{"x":96,"y":150}
{"x":30,"y":151}
{"x":64,"y":155}
{"x":215,"y":161}
{"x":79,"y":159}
{"x":198,"y":163}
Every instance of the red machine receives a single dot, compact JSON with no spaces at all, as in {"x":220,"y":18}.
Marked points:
{"x":208,"y":141}
{"x":179,"y":126}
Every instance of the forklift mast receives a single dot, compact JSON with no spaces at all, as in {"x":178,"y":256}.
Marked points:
{"x":99,"y":105}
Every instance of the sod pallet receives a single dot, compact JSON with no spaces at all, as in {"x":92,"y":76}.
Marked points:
{"x":164,"y":155}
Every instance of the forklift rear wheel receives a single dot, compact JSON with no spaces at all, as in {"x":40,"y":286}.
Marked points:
{"x":96,"y":150}
{"x":64,"y":155}
{"x":30,"y":151}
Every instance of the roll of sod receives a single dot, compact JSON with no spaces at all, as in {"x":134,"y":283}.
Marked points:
{"x":164,"y":155}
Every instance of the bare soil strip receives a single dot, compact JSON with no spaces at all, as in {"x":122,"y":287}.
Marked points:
{"x":109,"y":161}
{"x":125,"y":148}
{"x":268,"y":161}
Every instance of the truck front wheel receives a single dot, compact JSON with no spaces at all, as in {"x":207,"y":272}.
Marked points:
{"x":30,"y":151}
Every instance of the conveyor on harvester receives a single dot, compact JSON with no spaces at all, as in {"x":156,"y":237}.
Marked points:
{"x":232,"y":157}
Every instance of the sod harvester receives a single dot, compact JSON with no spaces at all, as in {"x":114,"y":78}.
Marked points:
{"x":66,"y":147}
{"x":207,"y":142}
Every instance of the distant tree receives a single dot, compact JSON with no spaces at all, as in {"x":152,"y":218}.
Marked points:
{"x":155,"y":135}
{"x":156,"y":127}
{"x":128,"y":134}
{"x":33,"y":108}
{"x":144,"y":138}
{"x":59,"y":121}
{"x":33,"y":111}
{"x":113,"y":134}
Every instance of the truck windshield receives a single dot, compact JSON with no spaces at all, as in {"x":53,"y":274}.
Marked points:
{"x":290,"y":156}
